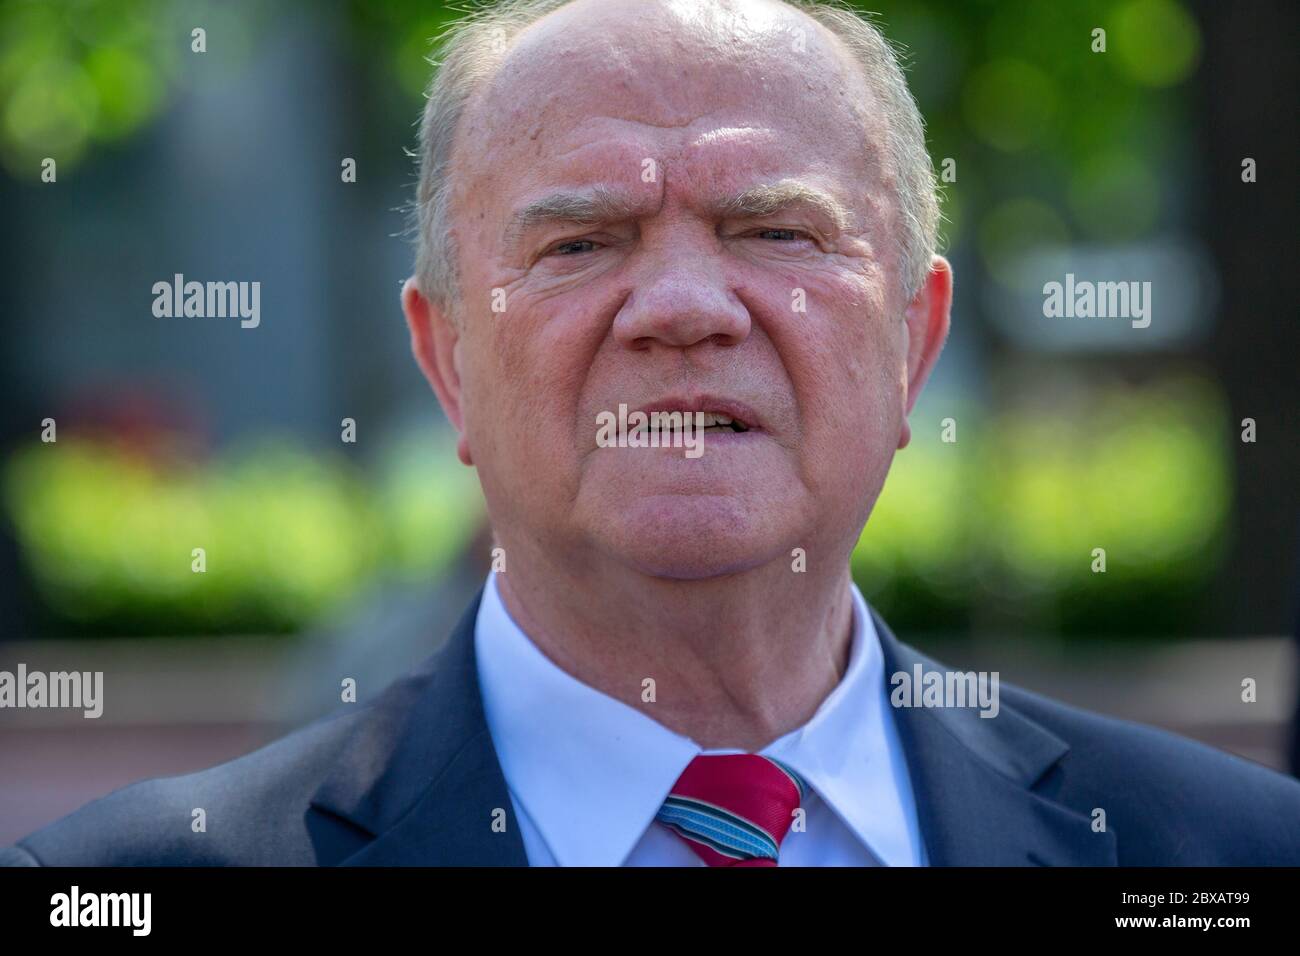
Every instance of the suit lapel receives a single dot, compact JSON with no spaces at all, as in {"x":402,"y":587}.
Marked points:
{"x":974,"y":781}
{"x":420,"y":774}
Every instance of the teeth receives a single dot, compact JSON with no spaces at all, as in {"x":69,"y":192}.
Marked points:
{"x":710,"y":420}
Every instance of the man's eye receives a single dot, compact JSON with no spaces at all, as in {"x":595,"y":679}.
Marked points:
{"x":782,"y":235}
{"x":573,"y":247}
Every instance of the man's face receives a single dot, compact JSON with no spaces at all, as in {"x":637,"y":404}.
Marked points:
{"x":786,"y":319}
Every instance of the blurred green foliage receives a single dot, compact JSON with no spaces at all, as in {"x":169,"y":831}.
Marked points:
{"x":1003,"y":522}
{"x":287,"y":534}
{"x":75,"y":74}
{"x":72,"y":74}
{"x":1054,"y":143}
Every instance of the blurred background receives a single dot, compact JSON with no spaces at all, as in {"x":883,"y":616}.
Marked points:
{"x":329,"y":558}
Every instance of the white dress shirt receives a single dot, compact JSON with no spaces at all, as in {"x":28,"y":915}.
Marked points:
{"x":587,"y":773}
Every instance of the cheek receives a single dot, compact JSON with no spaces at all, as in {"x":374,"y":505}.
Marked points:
{"x":523,"y":464}
{"x":849,"y":360}
{"x":879,"y":373}
{"x":849,"y":370}
{"x":530,"y":367}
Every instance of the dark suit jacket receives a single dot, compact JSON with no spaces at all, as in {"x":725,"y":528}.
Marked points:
{"x":412,"y":779}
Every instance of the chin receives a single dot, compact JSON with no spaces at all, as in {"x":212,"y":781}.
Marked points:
{"x":693,"y":537}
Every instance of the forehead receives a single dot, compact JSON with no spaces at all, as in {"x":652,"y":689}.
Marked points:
{"x":725,"y":92}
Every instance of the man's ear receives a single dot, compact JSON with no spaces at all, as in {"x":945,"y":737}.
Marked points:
{"x":435,"y":343}
{"x":927,"y":328}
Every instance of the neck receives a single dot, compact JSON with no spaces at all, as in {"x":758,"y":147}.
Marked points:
{"x":736,"y":661}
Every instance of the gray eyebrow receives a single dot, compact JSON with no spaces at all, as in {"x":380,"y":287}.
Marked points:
{"x":765,"y":200}
{"x":595,"y":205}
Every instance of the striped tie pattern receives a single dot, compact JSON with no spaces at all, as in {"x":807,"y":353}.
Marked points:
{"x":734,"y":809}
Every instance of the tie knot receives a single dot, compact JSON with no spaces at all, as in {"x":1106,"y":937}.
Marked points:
{"x":734,"y":809}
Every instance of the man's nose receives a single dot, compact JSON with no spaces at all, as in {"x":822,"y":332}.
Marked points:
{"x":680,"y":303}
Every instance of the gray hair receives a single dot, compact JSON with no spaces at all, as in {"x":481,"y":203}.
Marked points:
{"x":470,"y":50}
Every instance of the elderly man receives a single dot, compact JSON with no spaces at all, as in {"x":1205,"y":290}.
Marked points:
{"x":723,"y":212}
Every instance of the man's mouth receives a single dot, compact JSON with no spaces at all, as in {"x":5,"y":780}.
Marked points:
{"x":719,"y":416}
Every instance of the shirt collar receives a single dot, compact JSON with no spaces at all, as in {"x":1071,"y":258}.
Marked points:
{"x":550,"y":730}
{"x":851,"y":755}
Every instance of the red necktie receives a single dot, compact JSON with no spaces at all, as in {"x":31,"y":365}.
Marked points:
{"x":734,"y":809}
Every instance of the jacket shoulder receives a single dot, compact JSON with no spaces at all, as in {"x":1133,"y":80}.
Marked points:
{"x":289,"y":803}
{"x":254,"y":812}
{"x":1169,"y":799}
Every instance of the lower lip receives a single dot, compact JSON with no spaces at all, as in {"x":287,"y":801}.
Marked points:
{"x":709,"y":439}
